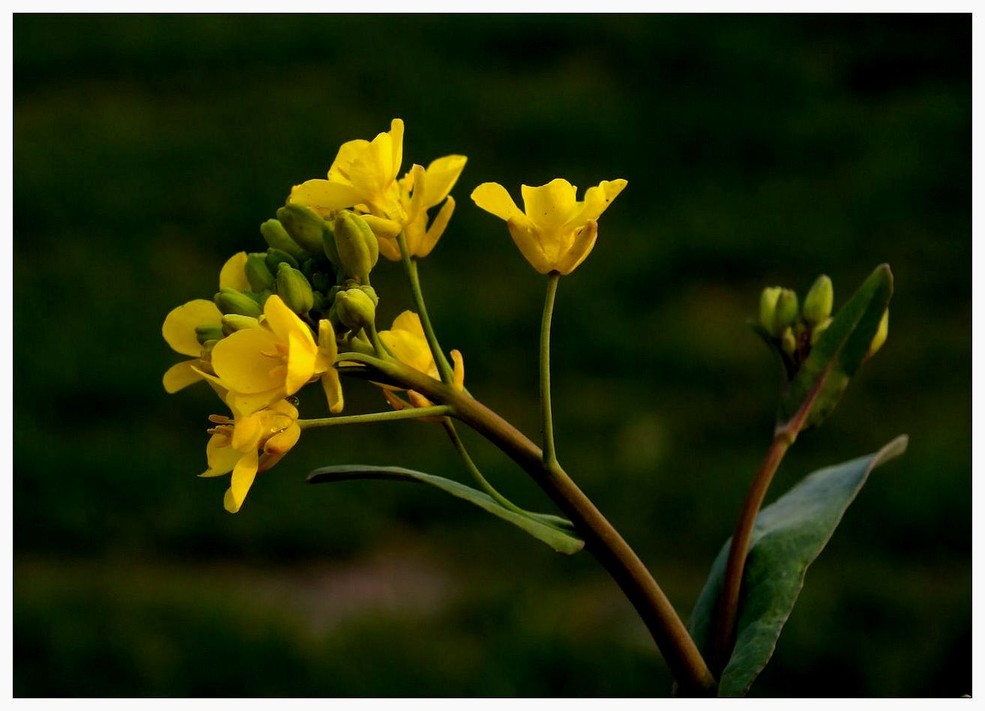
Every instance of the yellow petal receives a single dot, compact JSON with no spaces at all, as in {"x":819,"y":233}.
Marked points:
{"x":528,"y":241}
{"x":550,"y":206}
{"x":324,"y":196}
{"x":437,"y":228}
{"x":332,"y":386}
{"x":301,"y":355}
{"x":458,"y":374}
{"x":245,"y":360}
{"x":221,"y":457}
{"x":283,"y":322}
{"x":248,"y":431}
{"x":348,"y":152}
{"x":233,"y":273}
{"x":282,"y":442}
{"x":441,"y":176}
{"x":492,"y":197}
{"x":181,"y":375}
{"x":180,"y":324}
{"x":382,"y":227}
{"x":244,"y":473}
{"x":245,"y":404}
{"x":580,"y":248}
{"x":397,"y":146}
{"x":598,"y":199}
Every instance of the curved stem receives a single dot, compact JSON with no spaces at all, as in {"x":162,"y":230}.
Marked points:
{"x":410,"y":266}
{"x":436,"y":411}
{"x":550,"y":456}
{"x":601,"y":538}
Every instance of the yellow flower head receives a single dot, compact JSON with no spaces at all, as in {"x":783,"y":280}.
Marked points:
{"x":261,"y":365}
{"x":406,"y":341}
{"x":181,"y":325}
{"x":250,"y":444}
{"x":555,"y":232}
{"x":362,"y":175}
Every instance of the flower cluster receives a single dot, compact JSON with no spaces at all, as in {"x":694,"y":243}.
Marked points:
{"x":290,"y":315}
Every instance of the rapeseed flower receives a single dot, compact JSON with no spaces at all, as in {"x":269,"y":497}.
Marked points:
{"x":554,"y":231}
{"x":250,"y":444}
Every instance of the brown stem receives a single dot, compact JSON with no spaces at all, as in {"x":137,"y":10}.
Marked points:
{"x":605,"y":543}
{"x":726,"y":612}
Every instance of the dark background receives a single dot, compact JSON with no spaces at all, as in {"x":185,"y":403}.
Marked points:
{"x":759,"y":150}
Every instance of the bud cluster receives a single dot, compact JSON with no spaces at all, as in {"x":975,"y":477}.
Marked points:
{"x":320,"y":268}
{"x":793,"y":328}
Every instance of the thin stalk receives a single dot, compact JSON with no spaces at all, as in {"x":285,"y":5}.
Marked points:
{"x":601,"y":538}
{"x":550,"y":455}
{"x":410,"y":266}
{"x":410,"y":414}
{"x":726,"y":612}
{"x":474,"y":470}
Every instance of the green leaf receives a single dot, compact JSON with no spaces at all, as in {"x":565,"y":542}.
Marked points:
{"x":557,"y":539}
{"x":840,"y":350}
{"x":788,"y":536}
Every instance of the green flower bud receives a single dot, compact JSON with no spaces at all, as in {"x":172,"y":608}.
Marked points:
{"x":236,"y":322}
{"x":881,"y":334}
{"x":257,"y":271}
{"x":355,"y":309}
{"x":328,"y":243}
{"x":767,"y":306}
{"x":304,"y":225}
{"x":357,"y":247}
{"x":370,"y":292}
{"x":276,"y":257}
{"x":276,"y":236}
{"x":231,"y":301}
{"x":786,"y":312}
{"x":819,"y":300}
{"x":208,"y":333}
{"x":788,"y":342}
{"x":294,"y":289}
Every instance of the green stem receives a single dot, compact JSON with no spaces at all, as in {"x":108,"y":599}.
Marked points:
{"x":601,"y":538}
{"x":726,"y":612}
{"x":474,"y":470}
{"x":550,"y":455}
{"x":410,"y":266}
{"x":409,"y":414}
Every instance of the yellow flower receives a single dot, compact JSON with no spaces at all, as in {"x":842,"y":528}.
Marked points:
{"x":554,"y":232}
{"x":418,"y":191}
{"x":364,"y":177}
{"x":250,"y":444}
{"x":406,"y":341}
{"x":181,"y":324}
{"x":362,"y":174}
{"x":262,"y":365}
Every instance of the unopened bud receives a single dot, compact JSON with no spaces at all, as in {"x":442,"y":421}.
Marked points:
{"x":370,"y":292}
{"x":278,"y":238}
{"x":258,"y":273}
{"x":787,"y":308}
{"x":276,"y":257}
{"x":819,"y":300}
{"x":208,"y":333}
{"x":881,"y":334}
{"x":358,"y":250}
{"x":304,"y":225}
{"x":236,"y":322}
{"x":788,"y":342}
{"x":767,"y":307}
{"x":355,"y":309}
{"x":231,"y":301}
{"x":294,"y":289}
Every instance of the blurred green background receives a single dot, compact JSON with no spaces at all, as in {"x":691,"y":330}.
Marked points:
{"x":758,"y":149}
